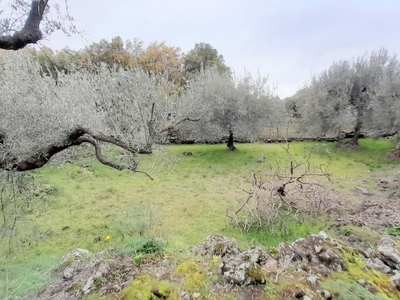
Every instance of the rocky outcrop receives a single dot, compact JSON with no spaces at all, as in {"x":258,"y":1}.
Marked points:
{"x":315,"y":256}
{"x":391,"y":186}
{"x":318,"y":254}
{"x":238,"y":267}
{"x":217,"y":245}
{"x":306,"y":262}
{"x":81,"y":273}
{"x":78,"y":272}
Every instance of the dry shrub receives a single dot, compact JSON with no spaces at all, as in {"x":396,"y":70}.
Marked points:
{"x":269,"y":197}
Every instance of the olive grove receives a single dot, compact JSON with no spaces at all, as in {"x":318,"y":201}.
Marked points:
{"x":41,"y":116}
{"x":127,"y":107}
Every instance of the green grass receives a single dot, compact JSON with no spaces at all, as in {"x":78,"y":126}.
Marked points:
{"x":268,"y":239}
{"x":85,"y":202}
{"x":20,"y":278}
{"x":350,"y":290}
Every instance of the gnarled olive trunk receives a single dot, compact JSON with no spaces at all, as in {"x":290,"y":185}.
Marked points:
{"x":357,"y":129}
{"x":358,"y":98}
{"x":230,"y":144}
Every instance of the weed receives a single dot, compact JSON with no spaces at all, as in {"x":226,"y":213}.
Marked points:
{"x":271,"y":289}
{"x":94,"y":297}
{"x":393,"y":230}
{"x":143,"y":246}
{"x":194,"y":277}
{"x":99,"y":281}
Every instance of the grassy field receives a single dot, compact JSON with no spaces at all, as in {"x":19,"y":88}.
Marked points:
{"x":84,"y":204}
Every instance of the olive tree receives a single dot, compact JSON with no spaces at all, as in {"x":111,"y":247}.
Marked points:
{"x":350,"y":93}
{"x":385,"y":102}
{"x":322,"y":103}
{"x":235,"y":106}
{"x":41,"y":117}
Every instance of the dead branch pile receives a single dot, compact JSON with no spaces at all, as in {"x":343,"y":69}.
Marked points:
{"x":271,"y":195}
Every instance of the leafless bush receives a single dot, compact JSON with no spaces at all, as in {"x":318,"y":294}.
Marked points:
{"x":284,"y":264}
{"x":300,"y":189}
{"x":16,"y":194}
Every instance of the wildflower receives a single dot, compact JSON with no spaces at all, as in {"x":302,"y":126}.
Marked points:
{"x":108,"y":237}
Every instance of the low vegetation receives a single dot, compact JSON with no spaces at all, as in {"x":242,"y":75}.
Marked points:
{"x":86,"y":205}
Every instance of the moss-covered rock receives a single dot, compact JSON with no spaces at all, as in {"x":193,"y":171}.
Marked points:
{"x":148,"y":288}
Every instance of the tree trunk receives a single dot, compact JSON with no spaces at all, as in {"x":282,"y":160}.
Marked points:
{"x":357,"y":128}
{"x":359,"y":100}
{"x":357,"y":131}
{"x":230,"y":142}
{"x":30,"y":33}
{"x":395,"y":153}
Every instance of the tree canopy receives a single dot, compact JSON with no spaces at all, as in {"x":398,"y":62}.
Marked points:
{"x":241,"y":105}
{"x":204,"y":56}
{"x":359,"y":94}
{"x":128,"y":95}
{"x":99,"y":96}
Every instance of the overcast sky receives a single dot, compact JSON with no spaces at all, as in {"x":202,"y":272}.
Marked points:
{"x":284,"y":40}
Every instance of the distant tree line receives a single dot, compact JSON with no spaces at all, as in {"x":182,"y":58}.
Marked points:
{"x":156,"y":58}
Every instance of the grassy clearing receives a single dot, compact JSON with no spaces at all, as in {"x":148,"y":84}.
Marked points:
{"x":85,"y":202}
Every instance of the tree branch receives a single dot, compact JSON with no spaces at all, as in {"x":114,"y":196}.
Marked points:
{"x":30,"y":33}
{"x":172,"y":126}
{"x":154,"y":135}
{"x":100,"y":158}
{"x":76,"y":137}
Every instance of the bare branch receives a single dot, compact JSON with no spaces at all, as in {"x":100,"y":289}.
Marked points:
{"x":285,"y":264}
{"x":154,"y":135}
{"x":30,"y":33}
{"x":110,"y":140}
{"x":298,"y":189}
{"x":175,"y":124}
{"x":42,"y":156}
{"x":100,"y":158}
